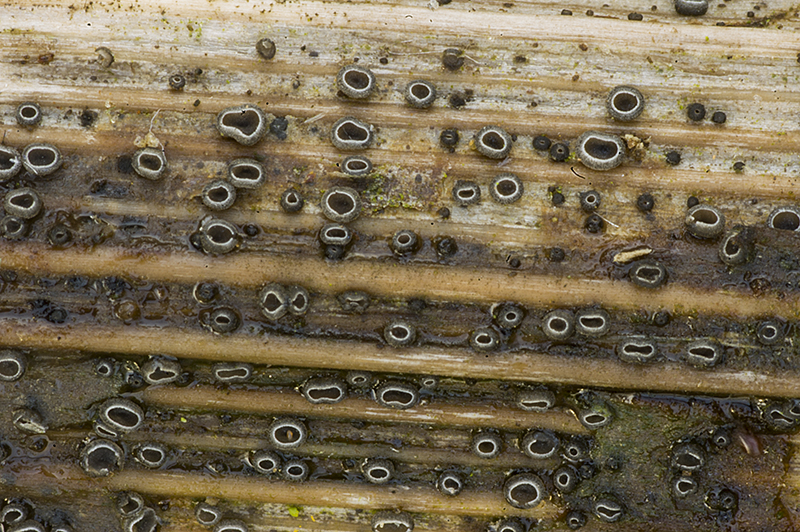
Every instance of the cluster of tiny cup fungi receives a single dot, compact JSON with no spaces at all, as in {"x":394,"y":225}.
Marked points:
{"x":106,"y":452}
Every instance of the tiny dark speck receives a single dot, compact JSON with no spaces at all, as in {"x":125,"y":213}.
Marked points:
{"x":514,"y":263}
{"x":583,"y":47}
{"x":457,"y":101}
{"x":87,"y":117}
{"x":278,"y":127}
{"x":635,"y":16}
{"x":124,"y":165}
{"x":692,"y":201}
{"x":576,"y":77}
{"x":444,"y":213}
{"x":566,"y":12}
{"x":313,"y":54}
{"x":384,"y":61}
{"x":520,"y":59}
{"x":751,"y":14}
{"x":738,"y":166}
{"x":589,"y":13}
{"x":196,"y":103}
{"x":296,"y":84}
{"x":720,"y":23}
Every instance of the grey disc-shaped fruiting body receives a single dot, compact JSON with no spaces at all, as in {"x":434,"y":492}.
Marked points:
{"x":392,"y":522}
{"x":420,"y":93}
{"x":450,"y":483}
{"x":246,"y":124}
{"x":335,"y":235}
{"x":222,"y":320}
{"x":400,"y":333}
{"x":484,"y":339}
{"x":599,"y":151}
{"x":704,"y":353}
{"x":29,"y":525}
{"x":23,"y":203}
{"x":356,"y":82}
{"x":350,"y":133}
{"x":264,"y":461}
{"x":637,"y":350}
{"x":324,"y":390}
{"x":524,"y":490}
{"x":539,"y":444}
{"x":28,"y":114}
{"x":378,"y":470}
{"x":608,"y":510}
{"x":231,"y":525}
{"x":219,"y":195}
{"x":404,"y":241}
{"x":232,"y":372}
{"x":691,"y":8}
{"x":396,"y":394}
{"x":218,"y":236}
{"x":101,"y":458}
{"x":508,"y":316}
{"x":356,"y":165}
{"x":298,"y":300}
{"x":274,"y":301}
{"x":150,"y":455}
{"x":13,"y":513}
{"x":466,"y":192}
{"x":558,"y":324}
{"x":487,"y":445}
{"x":160,"y":370}
{"x":592,"y":322}
{"x":736,"y":246}
{"x":536,"y":400}
{"x":506,"y":188}
{"x":590,"y":200}
{"x":292,"y":201}
{"x":10,"y":162}
{"x":770,"y":332}
{"x":246,"y":173}
{"x":625,"y":103}
{"x":287,"y":433}
{"x":492,"y":142}
{"x":207,"y":515}
{"x":41,"y":159}
{"x":597,"y":416}
{"x":12,"y":365}
{"x":648,"y":274}
{"x":683,"y":486}
{"x":341,"y":204}
{"x":688,"y":456}
{"x":786,"y":218}
{"x":705,"y":221}
{"x":121,"y":414}
{"x":149,"y":163}
{"x":565,"y":478}
{"x":205,"y":292}
{"x":296,"y":470}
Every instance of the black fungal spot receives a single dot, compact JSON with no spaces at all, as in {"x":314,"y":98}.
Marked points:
{"x":738,"y":167}
{"x":645,"y":202}
{"x":449,"y":138}
{"x":590,"y":200}
{"x":445,"y":247}
{"x":87,"y":117}
{"x":635,"y":16}
{"x":719,"y":117}
{"x":696,"y":112}
{"x":673,"y":158}
{"x":177,"y":82}
{"x":266,"y":48}
{"x":566,"y":12}
{"x":559,"y":152}
{"x":541,"y":143}
{"x":452,"y":59}
{"x":691,"y":8}
{"x":594,"y":223}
